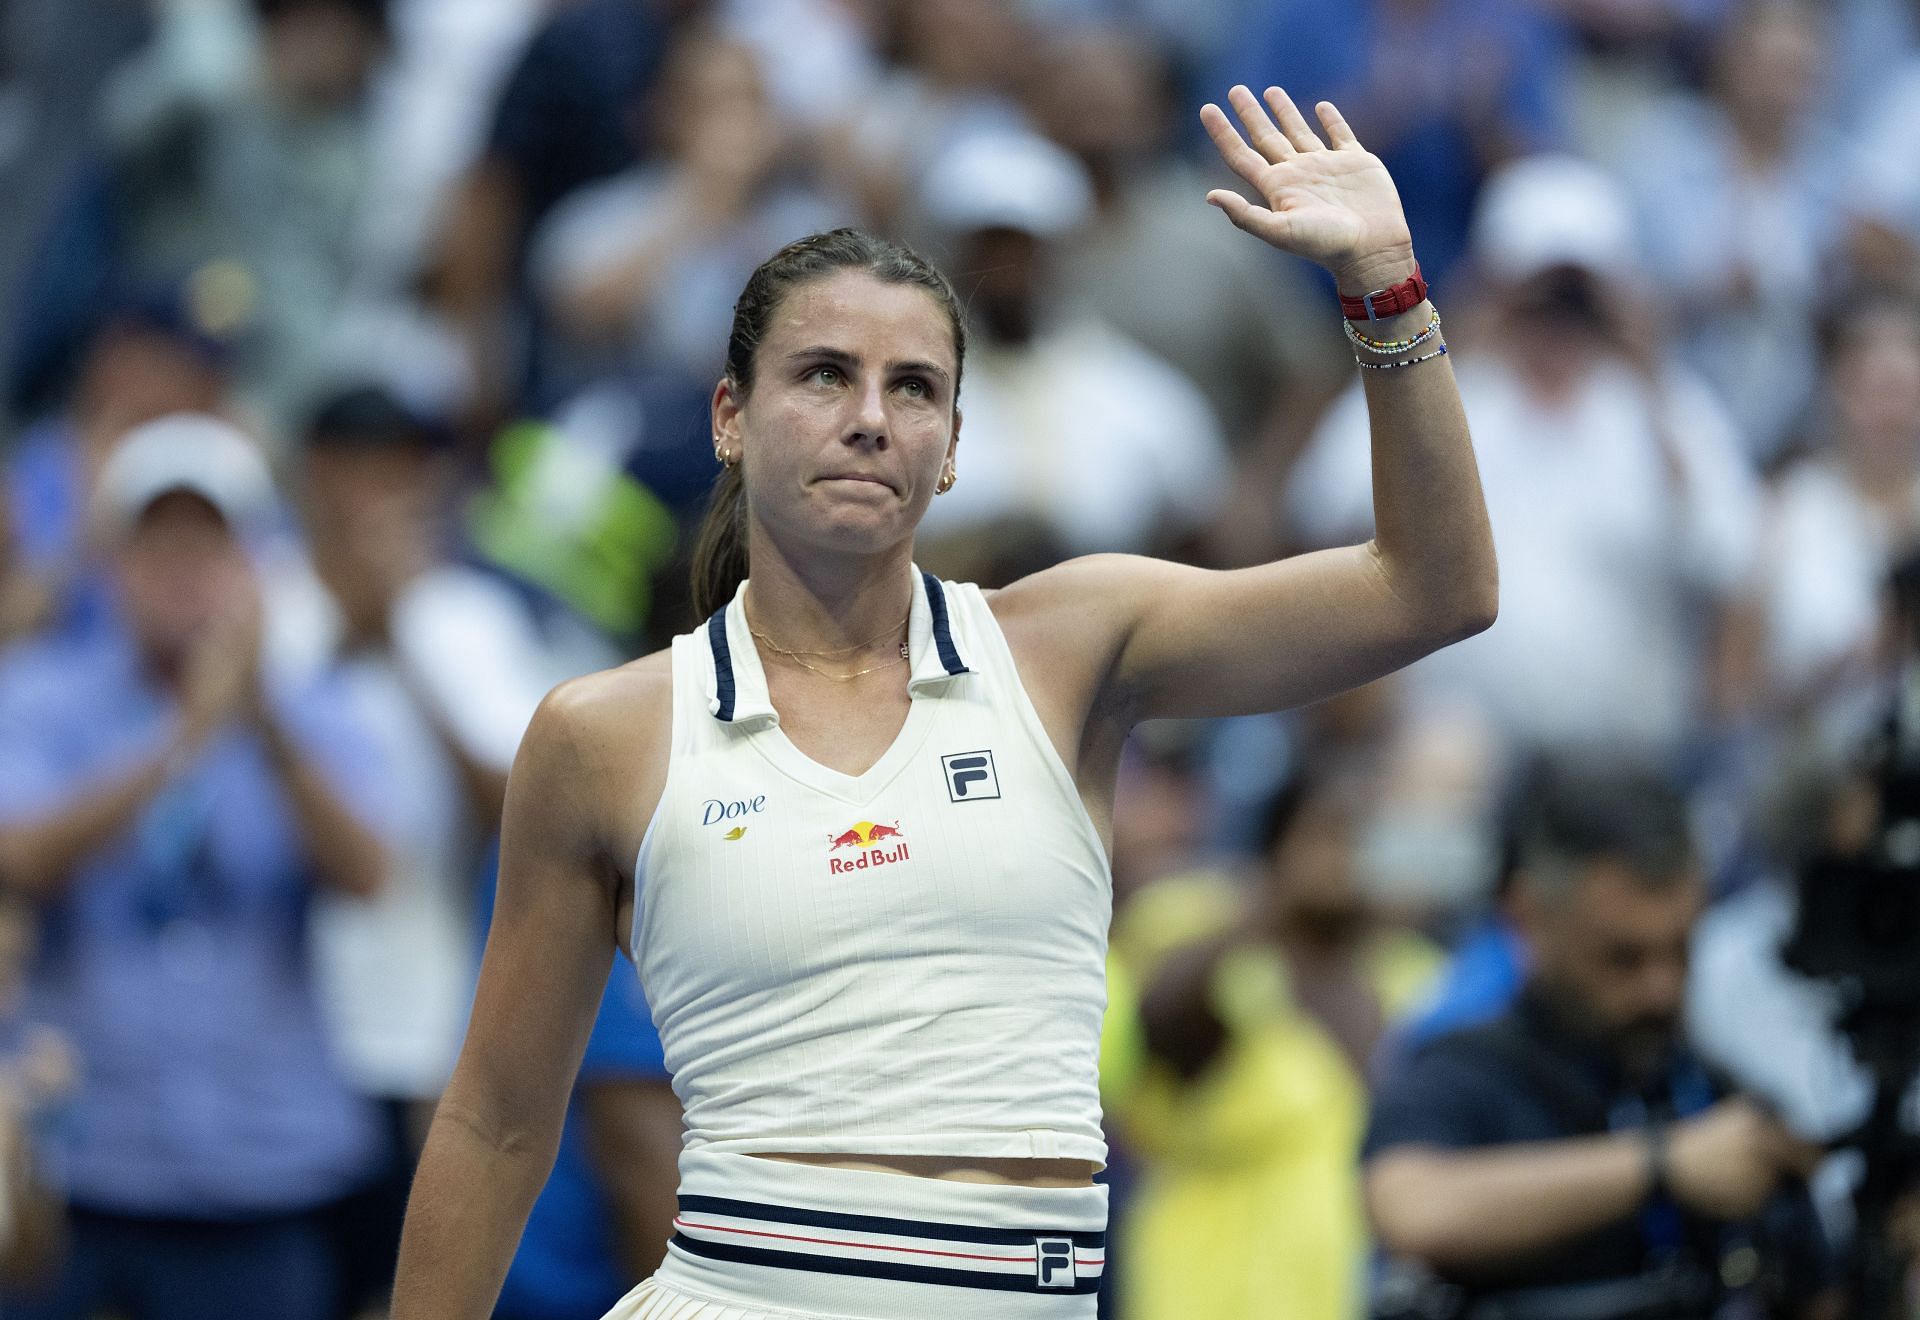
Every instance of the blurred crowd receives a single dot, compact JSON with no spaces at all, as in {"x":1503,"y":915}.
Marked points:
{"x":355,"y":369}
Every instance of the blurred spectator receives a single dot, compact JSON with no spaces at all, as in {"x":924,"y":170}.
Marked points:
{"x":54,"y":56}
{"x":447,"y":665}
{"x":645,"y":266}
{"x":25,"y":602}
{"x":449,"y":61}
{"x":1881,"y":74}
{"x":1764,"y":1024}
{"x":1243,"y":1097}
{"x":171,"y":814}
{"x":1739,"y":196}
{"x":151,"y":358}
{"x":561,"y":121}
{"x":957,"y":69}
{"x":602,"y":1221}
{"x":1257,"y":336}
{"x":1575,"y":1157}
{"x":1441,"y":90}
{"x":1631,"y":52}
{"x":1160,"y":824}
{"x":579,"y":107}
{"x":38,"y":1072}
{"x":236,"y":157}
{"x":1065,"y":420}
{"x":1624,"y":511}
{"x":1844,"y":516}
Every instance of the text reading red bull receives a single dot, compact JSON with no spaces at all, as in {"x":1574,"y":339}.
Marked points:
{"x":864,"y":839}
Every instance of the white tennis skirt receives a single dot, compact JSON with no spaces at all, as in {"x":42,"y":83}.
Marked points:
{"x":761,"y":1239}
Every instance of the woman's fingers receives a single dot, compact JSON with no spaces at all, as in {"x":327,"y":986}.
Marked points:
{"x":1267,"y":139}
{"x":1292,"y":122}
{"x":1338,"y":131}
{"x":1256,"y":220}
{"x":1241,"y":158}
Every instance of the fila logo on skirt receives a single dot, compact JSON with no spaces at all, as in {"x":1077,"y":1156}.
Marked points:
{"x":876,"y":1247}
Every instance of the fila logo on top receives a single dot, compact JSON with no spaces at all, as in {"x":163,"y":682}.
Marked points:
{"x":970,"y":777}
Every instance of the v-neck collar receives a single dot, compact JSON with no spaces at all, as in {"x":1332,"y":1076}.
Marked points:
{"x":737,"y":689}
{"x":737,"y":682}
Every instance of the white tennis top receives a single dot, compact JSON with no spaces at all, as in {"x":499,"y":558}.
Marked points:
{"x":908,"y":961}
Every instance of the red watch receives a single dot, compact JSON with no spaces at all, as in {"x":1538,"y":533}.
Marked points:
{"x":1390,"y":301}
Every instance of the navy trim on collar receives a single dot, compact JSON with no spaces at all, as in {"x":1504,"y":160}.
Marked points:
{"x":722,"y":662}
{"x":942,"y":632}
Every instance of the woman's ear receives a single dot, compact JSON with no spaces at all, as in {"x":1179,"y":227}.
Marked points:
{"x":726,"y":407}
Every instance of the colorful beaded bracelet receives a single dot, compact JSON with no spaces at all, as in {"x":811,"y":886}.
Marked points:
{"x":1410,"y":362}
{"x":1388,"y":347}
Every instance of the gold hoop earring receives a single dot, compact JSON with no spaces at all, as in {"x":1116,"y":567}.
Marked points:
{"x":946,"y":481}
{"x":724,"y":458}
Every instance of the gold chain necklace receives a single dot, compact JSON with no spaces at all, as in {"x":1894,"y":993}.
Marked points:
{"x":841,"y":678}
{"x":845,"y":650}
{"x":794,"y":656}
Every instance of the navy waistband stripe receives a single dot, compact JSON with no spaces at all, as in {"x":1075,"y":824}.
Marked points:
{"x":722,"y":662}
{"x":787,"y":1214}
{"x":942,"y":628}
{"x":876,"y":1269}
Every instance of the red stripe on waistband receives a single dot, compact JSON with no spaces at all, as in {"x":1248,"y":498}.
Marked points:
{"x":867,"y":1246}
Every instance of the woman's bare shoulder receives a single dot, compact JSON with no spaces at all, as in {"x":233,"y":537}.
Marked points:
{"x":614,"y":721}
{"x":596,"y":752}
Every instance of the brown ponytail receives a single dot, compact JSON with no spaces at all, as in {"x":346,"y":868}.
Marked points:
{"x":720,"y":552}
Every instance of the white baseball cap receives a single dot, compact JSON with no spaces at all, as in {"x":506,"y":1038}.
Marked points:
{"x":190,"y":452}
{"x":1005,"y":178}
{"x":1553,"y":210}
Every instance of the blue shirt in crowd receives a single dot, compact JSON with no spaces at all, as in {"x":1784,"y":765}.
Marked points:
{"x":175,"y":956}
{"x":45,"y":487}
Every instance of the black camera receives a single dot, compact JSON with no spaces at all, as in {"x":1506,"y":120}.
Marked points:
{"x":1858,"y":931}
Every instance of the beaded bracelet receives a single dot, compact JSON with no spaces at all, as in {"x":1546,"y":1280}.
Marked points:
{"x":1387,"y":347}
{"x":1410,"y":362}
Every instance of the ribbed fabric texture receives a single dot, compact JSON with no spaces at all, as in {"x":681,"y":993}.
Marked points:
{"x":654,"y":1300}
{"x":911,"y":961}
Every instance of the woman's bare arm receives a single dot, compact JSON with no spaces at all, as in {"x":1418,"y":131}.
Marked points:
{"x":1173,"y":640}
{"x":554,"y":936}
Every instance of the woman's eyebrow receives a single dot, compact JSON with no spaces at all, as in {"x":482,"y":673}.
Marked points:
{"x":840,"y":357}
{"x":928,"y":368}
{"x":822,"y":353}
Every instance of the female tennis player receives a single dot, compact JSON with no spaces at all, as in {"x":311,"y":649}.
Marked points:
{"x":853,"y":829}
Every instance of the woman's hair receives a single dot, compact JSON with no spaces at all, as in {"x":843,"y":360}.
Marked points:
{"x":720,"y":553}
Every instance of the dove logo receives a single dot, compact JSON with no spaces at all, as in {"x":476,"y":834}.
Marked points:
{"x":713,"y":811}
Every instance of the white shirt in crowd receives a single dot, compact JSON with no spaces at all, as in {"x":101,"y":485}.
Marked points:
{"x":1086,"y":431}
{"x":1711,"y":221}
{"x":1613,"y":532}
{"x":1824,"y":564}
{"x":394,"y":973}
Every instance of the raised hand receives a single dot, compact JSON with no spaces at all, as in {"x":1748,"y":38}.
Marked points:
{"x":221,"y":681}
{"x":1331,"y":202}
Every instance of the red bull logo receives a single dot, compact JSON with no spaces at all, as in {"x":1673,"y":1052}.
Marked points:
{"x":865,"y":839}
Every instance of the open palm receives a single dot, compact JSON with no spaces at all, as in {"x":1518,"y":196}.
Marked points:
{"x":1331,"y":202}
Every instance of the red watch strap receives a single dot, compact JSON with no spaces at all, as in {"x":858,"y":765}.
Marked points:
{"x":1390,"y":301}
